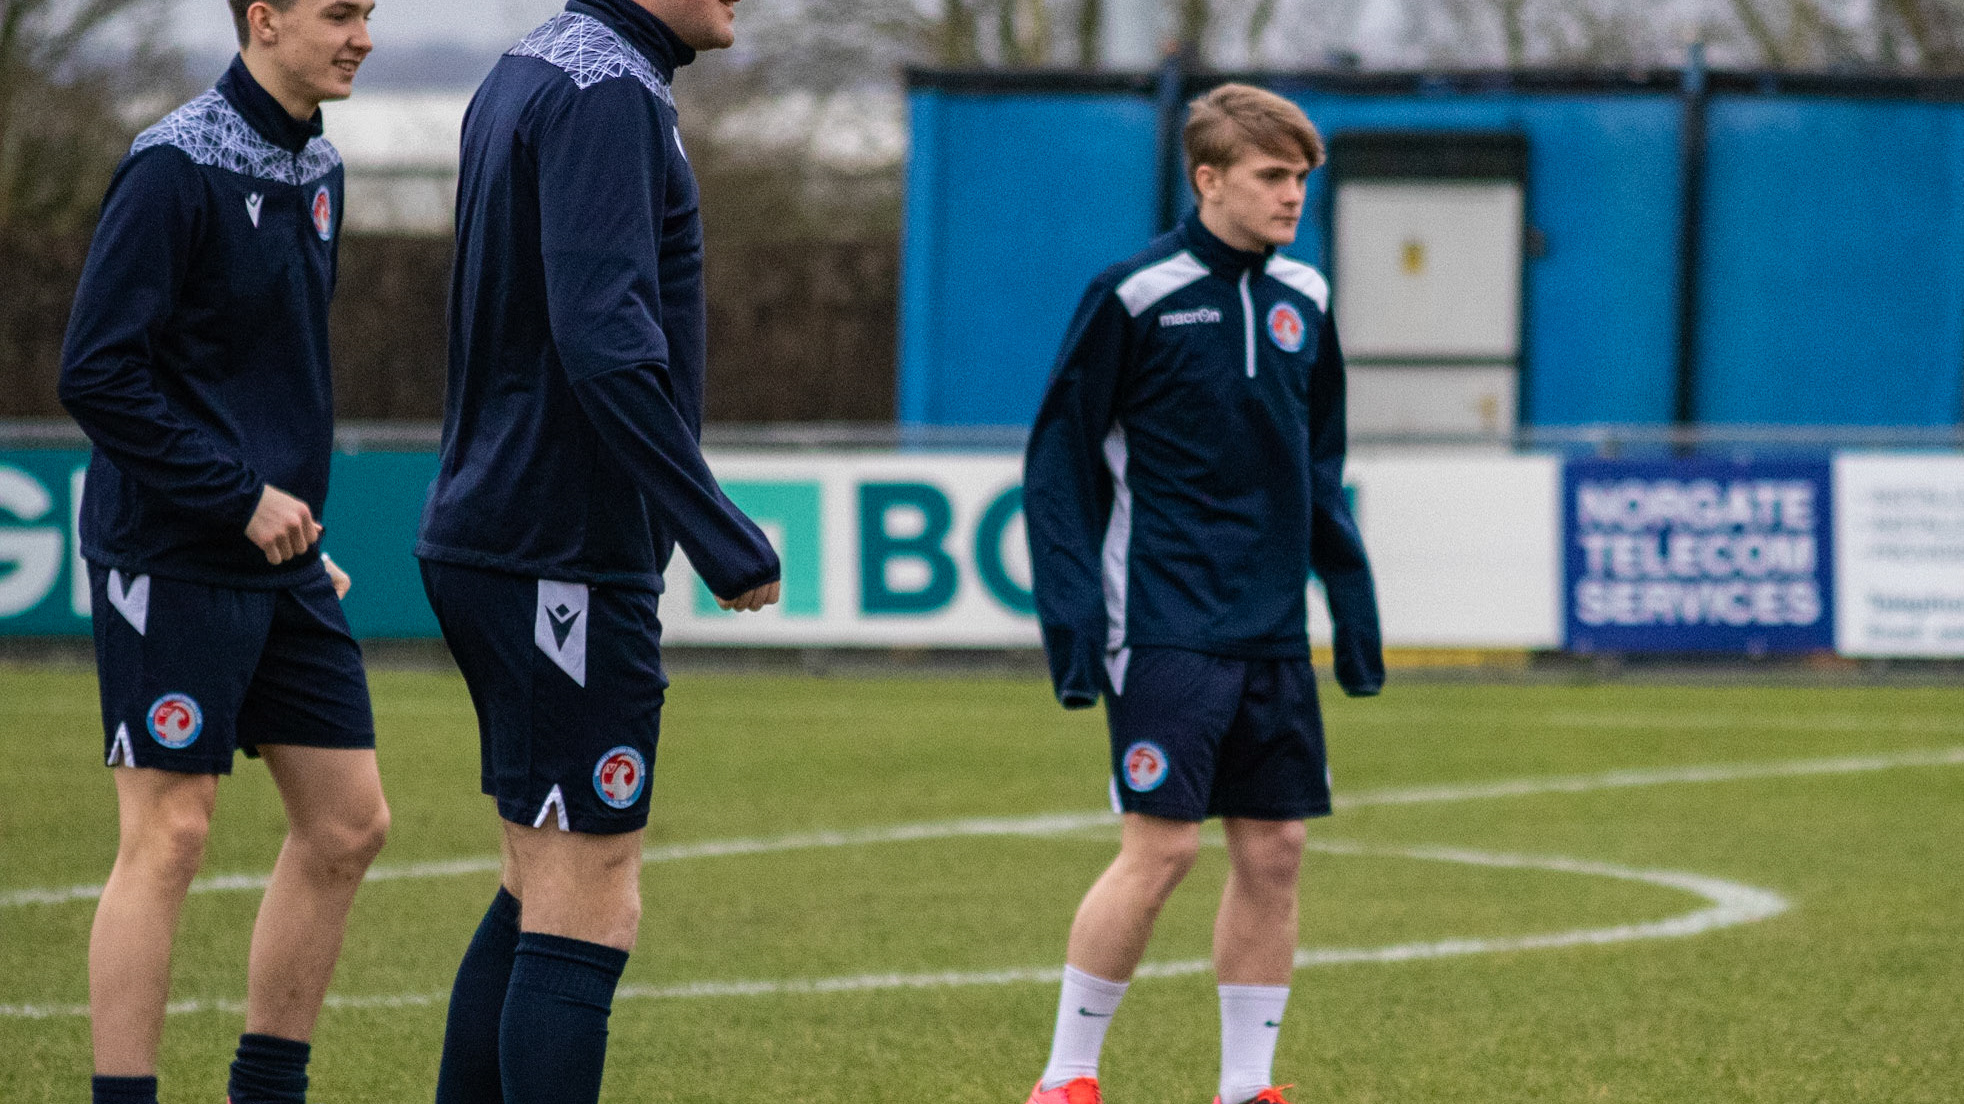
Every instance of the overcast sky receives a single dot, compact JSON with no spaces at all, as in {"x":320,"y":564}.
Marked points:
{"x":206,"y":25}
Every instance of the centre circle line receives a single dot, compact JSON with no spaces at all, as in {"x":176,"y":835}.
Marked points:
{"x":1043,"y":824}
{"x":1728,"y":904}
{"x":1731,"y":903}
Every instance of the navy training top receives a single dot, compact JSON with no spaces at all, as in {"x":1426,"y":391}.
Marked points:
{"x":571,"y":426}
{"x":196,"y":358}
{"x":1185,"y":472}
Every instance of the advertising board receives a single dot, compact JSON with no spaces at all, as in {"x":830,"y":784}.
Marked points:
{"x":926,"y":549}
{"x":1899,"y":567}
{"x":886,"y":549}
{"x":1698,"y":555}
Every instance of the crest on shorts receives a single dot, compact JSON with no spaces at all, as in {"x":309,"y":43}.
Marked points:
{"x":175,"y":721}
{"x":620,"y":776}
{"x":323,"y":213}
{"x":1145,"y":766}
{"x":1286,"y":327}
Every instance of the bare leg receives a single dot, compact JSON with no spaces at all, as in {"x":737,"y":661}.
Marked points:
{"x":1115,"y":921}
{"x":163,"y":820}
{"x":577,"y":922}
{"x":575,"y":885}
{"x":1255,"y":931}
{"x":336,"y":823}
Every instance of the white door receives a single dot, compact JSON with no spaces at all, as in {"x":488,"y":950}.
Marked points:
{"x":1428,"y":302}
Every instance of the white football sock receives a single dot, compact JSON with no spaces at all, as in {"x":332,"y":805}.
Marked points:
{"x":1251,"y":1021}
{"x":1084,"y":1011}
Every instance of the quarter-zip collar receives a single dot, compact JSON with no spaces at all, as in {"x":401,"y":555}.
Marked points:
{"x":1221,"y":259}
{"x":263,"y":113}
{"x":642,"y":30}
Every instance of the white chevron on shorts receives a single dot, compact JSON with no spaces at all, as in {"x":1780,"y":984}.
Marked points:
{"x":120,"y":752}
{"x":554,"y":800}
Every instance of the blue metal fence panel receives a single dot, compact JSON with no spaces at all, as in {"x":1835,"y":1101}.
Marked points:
{"x":1833,"y":278}
{"x":1833,"y":288}
{"x":1013,"y":204}
{"x":1603,"y":191}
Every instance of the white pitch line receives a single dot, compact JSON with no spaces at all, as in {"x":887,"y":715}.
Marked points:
{"x":1051,"y":824}
{"x":1730,"y":904}
{"x":1655,"y":776}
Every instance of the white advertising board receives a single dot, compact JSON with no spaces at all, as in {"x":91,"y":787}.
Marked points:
{"x":1466,"y":548}
{"x":928,"y":549}
{"x":1899,"y":559}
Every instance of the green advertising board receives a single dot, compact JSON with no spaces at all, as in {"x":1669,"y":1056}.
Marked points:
{"x":371,"y":530}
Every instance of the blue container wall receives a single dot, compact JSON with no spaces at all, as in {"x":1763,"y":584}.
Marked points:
{"x":1013,"y":204}
{"x":1833,"y":238}
{"x":1833,"y":286}
{"x":1603,"y":187}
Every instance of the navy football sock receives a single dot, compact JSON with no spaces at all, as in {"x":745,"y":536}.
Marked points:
{"x":269,"y":1070}
{"x":469,"y":1073}
{"x":124,"y":1090}
{"x":554,"y":1037}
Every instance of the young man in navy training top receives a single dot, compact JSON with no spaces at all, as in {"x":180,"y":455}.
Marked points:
{"x":1184,"y":476}
{"x":197,"y":363}
{"x":570,"y":471}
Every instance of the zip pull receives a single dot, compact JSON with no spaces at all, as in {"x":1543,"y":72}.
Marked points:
{"x":1248,"y":323}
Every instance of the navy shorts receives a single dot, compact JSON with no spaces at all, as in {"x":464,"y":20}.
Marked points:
{"x":1197,"y":736}
{"x":191,"y":672}
{"x":568,"y":685}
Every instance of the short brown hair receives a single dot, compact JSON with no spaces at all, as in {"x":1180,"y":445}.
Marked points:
{"x":239,"y":17}
{"x":1226,"y":123}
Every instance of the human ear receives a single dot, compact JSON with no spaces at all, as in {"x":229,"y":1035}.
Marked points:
{"x":259,"y":20}
{"x":1206,"y":181}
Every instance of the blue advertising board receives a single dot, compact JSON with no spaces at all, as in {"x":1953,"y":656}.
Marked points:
{"x":1698,"y":555}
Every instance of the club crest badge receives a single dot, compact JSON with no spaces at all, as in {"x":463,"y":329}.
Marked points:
{"x":323,"y":213}
{"x":620,"y":776}
{"x":175,"y":721}
{"x":1286,"y":327}
{"x":1145,"y":766}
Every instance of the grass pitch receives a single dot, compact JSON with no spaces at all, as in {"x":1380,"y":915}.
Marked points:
{"x":824,"y":957}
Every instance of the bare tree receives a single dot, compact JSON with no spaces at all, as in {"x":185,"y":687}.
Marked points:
{"x":66,"y":68}
{"x":1517,"y":33}
{"x":1798,"y":34}
{"x":1286,"y":33}
{"x":1926,"y":34}
{"x":1916,"y":35}
{"x":954,"y":33}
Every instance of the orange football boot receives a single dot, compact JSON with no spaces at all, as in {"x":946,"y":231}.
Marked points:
{"x":1078,"y":1090}
{"x":1270,"y":1095}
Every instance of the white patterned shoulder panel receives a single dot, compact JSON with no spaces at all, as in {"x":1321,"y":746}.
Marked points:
{"x":589,"y":51}
{"x":211,"y":132}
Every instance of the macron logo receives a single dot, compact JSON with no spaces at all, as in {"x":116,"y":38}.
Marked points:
{"x":562,"y":622}
{"x":253,"y":203}
{"x":1193,"y":317}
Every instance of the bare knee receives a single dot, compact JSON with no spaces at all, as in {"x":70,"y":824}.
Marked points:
{"x":607,"y":912}
{"x":580,"y":886}
{"x":1267,"y":854}
{"x":1161,"y":860}
{"x":345,"y":846}
{"x":621,"y":872}
{"x":168,"y":844}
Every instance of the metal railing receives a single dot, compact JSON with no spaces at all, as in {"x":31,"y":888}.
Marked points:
{"x":1605,"y":439}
